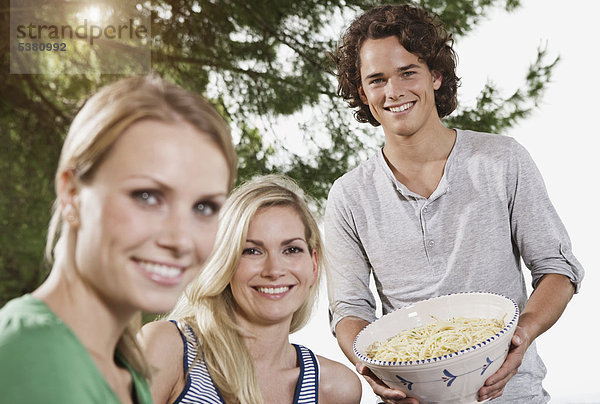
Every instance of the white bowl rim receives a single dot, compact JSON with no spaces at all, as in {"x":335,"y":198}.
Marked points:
{"x":445,"y":357}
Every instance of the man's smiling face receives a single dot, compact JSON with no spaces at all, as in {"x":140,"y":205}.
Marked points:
{"x":398,"y":87}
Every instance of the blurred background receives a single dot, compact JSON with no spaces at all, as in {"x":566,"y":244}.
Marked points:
{"x":527,"y":69}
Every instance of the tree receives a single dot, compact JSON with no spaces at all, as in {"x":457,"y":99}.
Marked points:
{"x":258,"y":61}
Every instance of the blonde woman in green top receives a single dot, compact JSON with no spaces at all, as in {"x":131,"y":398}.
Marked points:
{"x":142,"y":175}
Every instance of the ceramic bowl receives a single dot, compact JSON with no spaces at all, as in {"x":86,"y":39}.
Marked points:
{"x":451,"y":378}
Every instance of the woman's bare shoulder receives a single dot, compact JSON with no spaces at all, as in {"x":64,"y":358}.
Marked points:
{"x":338,"y":383}
{"x":162,"y":338}
{"x":163,"y":347}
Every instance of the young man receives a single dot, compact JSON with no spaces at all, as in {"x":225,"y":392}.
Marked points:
{"x":437,"y":210}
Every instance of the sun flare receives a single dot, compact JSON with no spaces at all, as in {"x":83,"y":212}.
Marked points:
{"x":92,"y":13}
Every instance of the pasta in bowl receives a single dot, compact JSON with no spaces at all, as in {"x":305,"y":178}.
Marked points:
{"x":440,"y":350}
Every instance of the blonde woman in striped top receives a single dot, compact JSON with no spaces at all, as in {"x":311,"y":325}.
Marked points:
{"x":228,"y":341}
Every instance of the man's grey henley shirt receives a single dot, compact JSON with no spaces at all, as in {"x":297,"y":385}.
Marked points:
{"x":489,"y":210}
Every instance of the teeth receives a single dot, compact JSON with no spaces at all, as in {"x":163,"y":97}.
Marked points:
{"x":402,"y":107}
{"x":159,"y":269}
{"x":273,"y":291}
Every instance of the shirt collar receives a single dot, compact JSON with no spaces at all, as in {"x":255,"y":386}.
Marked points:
{"x":443,"y":186}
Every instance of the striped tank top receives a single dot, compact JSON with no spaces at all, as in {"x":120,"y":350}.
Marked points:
{"x":199,"y":387}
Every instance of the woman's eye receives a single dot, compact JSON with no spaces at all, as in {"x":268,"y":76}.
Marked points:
{"x":146,"y":197}
{"x":207,"y":208}
{"x":250,"y":251}
{"x":293,"y":250}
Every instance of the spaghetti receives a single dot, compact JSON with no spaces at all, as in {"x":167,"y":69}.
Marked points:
{"x":436,"y":339}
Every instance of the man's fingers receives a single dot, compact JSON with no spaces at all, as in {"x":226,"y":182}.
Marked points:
{"x":381,"y":389}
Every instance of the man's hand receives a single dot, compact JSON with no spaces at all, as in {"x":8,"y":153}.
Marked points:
{"x":346,"y":331}
{"x":387,"y":394}
{"x":494,"y":385}
{"x":544,"y":307}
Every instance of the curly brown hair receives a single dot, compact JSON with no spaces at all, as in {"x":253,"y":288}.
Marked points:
{"x":420,"y":32}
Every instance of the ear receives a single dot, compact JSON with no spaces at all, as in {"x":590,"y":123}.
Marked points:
{"x":68,"y":196}
{"x":363,"y":97}
{"x":437,"y":79}
{"x":315,"y":261}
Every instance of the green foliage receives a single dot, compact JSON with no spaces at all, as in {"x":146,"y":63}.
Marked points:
{"x":259,"y":61}
{"x":253,"y":155}
{"x":494,"y":114}
{"x":463,"y":15}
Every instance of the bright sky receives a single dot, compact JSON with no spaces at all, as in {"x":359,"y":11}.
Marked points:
{"x":562,"y":138}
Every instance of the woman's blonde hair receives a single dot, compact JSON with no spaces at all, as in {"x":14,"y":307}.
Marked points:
{"x":102,"y":120}
{"x":208,"y":305}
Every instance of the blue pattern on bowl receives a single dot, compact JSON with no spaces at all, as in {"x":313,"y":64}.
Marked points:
{"x":448,"y":377}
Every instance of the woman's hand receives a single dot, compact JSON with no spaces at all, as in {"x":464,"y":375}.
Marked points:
{"x":387,"y":394}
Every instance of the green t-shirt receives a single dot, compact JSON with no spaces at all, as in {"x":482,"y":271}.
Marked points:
{"x":42,"y":361}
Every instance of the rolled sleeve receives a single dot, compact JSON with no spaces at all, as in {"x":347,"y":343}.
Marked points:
{"x":538,"y":232}
{"x":348,"y":271}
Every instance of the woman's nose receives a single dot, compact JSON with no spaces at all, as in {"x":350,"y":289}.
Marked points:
{"x":176,"y":234}
{"x":274,"y":266}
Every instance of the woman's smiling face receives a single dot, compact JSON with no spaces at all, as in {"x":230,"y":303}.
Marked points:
{"x":148,"y":215}
{"x":276,"y":269}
